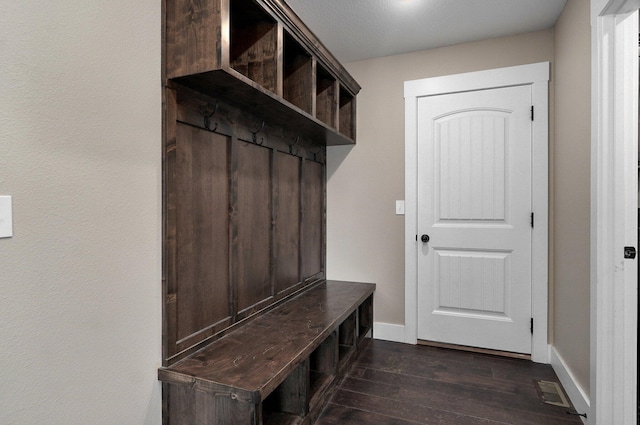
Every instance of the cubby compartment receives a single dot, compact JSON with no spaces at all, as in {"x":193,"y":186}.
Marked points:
{"x":297,"y":75}
{"x":253,"y":43}
{"x":365,"y":317}
{"x":347,"y":114}
{"x":287,"y":404}
{"x":347,"y":338}
{"x":326,"y":102}
{"x":258,"y":55}
{"x":323,"y":366}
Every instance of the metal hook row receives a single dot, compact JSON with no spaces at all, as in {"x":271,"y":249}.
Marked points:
{"x":207,"y":118}
{"x":254,"y":135}
{"x":316,"y":153}
{"x":295,"y":142}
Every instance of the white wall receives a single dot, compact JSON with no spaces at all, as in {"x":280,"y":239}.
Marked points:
{"x":80,"y":282}
{"x":572,"y":171}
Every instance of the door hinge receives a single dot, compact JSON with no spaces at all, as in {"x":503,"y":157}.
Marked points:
{"x":532,"y":113}
{"x":532,"y":220}
{"x":531,"y":326}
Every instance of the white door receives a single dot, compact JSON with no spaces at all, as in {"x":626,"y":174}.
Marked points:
{"x":474,"y":204}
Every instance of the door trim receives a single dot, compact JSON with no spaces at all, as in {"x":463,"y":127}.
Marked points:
{"x":537,"y":76}
{"x":614,"y":148}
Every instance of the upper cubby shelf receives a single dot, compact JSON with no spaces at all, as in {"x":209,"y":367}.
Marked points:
{"x":258,"y":54}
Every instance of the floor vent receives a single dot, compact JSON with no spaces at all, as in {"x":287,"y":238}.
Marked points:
{"x":551,"y":393}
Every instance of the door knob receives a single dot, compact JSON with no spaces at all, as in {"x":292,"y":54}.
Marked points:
{"x":424,"y":238}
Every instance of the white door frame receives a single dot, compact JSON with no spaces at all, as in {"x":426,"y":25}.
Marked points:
{"x":536,"y":75}
{"x":614,"y":138}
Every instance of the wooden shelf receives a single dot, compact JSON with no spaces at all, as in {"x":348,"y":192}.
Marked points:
{"x":273,"y":57}
{"x":238,"y":90}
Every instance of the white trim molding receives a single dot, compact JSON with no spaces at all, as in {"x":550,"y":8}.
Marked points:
{"x":537,"y":76}
{"x":574,"y":390}
{"x":388,"y":332}
{"x":614,"y":156}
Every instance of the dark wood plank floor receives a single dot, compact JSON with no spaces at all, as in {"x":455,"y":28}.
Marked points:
{"x":400,"y":384}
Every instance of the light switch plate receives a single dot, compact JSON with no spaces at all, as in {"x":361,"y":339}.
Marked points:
{"x":399,"y":207}
{"x":6,"y":219}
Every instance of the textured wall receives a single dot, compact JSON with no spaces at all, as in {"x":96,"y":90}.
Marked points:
{"x":365,"y":237}
{"x":80,"y":288}
{"x":572,"y":169}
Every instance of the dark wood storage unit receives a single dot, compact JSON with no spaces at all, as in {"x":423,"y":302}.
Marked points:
{"x":252,"y":332}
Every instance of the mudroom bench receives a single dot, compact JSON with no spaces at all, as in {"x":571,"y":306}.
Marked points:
{"x":280,"y":367}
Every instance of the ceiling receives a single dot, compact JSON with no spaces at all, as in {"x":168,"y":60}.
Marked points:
{"x":363,"y":29}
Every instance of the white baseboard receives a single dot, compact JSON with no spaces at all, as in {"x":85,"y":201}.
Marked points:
{"x":388,"y":332}
{"x":574,"y":391}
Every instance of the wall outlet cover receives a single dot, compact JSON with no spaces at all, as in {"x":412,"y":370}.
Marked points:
{"x":6,"y":217}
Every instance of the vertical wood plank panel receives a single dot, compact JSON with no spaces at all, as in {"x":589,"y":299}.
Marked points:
{"x":253,"y":264}
{"x":312,"y":221}
{"x":287,"y":216}
{"x":202,"y":229}
{"x":181,"y":403}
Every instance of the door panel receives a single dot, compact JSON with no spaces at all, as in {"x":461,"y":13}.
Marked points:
{"x":474,"y":201}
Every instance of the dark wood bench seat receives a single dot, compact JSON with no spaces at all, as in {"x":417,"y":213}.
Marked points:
{"x":279,"y":367}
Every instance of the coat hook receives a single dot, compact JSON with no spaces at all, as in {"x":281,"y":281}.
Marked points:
{"x":292,"y":145}
{"x":207,"y":119}
{"x":255,"y":133}
{"x":316,"y":153}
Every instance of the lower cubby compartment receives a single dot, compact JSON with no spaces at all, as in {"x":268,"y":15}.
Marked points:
{"x":365,"y":317}
{"x":347,"y":338}
{"x":323,"y":366}
{"x":345,"y":352}
{"x":318,"y":384}
{"x":287,"y":404}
